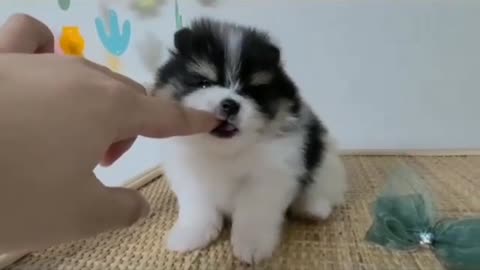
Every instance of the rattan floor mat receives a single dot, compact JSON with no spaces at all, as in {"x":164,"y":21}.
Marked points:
{"x":335,"y":245}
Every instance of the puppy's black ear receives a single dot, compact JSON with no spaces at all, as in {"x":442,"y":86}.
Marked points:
{"x":266,"y":56}
{"x":272,"y":55}
{"x":183,"y":40}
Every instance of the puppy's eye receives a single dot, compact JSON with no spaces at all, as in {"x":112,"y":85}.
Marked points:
{"x":204,"y":84}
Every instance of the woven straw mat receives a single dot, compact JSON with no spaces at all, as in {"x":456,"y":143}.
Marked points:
{"x":335,"y":244}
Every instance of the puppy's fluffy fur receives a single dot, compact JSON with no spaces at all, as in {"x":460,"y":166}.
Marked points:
{"x":270,"y":153}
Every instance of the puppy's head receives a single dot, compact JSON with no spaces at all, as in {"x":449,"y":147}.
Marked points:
{"x":234,"y":72}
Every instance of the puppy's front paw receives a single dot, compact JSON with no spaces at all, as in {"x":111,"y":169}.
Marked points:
{"x":184,"y":238}
{"x":254,"y":244}
{"x":321,"y":209}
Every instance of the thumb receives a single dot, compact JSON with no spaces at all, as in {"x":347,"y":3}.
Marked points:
{"x":106,"y":209}
{"x":81,"y":212}
{"x":114,"y":208}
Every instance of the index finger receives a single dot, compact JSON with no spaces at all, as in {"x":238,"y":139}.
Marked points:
{"x":22,"y":33}
{"x":160,"y":118}
{"x":127,"y":82}
{"x":139,"y":114}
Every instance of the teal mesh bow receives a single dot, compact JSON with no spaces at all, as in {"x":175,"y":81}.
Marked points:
{"x":64,"y":4}
{"x":178,"y":17}
{"x":405,"y":219}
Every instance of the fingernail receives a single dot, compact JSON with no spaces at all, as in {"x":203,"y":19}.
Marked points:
{"x":145,"y":210}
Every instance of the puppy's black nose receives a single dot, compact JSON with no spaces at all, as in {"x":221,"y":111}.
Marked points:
{"x":229,"y":107}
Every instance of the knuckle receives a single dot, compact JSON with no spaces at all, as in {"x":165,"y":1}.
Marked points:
{"x":115,"y":94}
{"x":74,"y":60}
{"x":25,"y":21}
{"x":80,"y":60}
{"x":21,"y":19}
{"x":104,"y":69}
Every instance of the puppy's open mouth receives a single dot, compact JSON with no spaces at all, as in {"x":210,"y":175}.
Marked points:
{"x":225,"y":130}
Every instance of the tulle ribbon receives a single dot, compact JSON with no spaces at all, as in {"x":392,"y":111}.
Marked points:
{"x":405,"y":218}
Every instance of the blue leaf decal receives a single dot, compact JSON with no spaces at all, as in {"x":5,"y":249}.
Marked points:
{"x":116,"y":42}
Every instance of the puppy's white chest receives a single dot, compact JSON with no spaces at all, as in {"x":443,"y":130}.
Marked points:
{"x":221,"y":180}
{"x":223,"y":186}
{"x":224,"y":179}
{"x":212,"y":179}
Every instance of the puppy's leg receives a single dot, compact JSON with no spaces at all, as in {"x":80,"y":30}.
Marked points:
{"x":326,"y":191}
{"x":198,"y":223}
{"x":259,"y":215}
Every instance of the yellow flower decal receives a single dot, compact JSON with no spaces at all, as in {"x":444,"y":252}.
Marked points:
{"x":72,"y":41}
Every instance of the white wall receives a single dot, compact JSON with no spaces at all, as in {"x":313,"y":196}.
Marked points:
{"x":381,"y":74}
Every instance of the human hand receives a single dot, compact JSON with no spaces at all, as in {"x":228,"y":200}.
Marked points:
{"x":59,"y":117}
{"x":24,"y":34}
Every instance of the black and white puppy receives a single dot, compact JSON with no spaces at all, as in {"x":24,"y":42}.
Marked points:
{"x":269,"y":154}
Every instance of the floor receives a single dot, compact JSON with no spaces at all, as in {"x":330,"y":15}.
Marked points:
{"x":337,"y":244}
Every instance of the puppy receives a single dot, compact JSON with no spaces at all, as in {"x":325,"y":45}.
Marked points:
{"x":269,"y":153}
